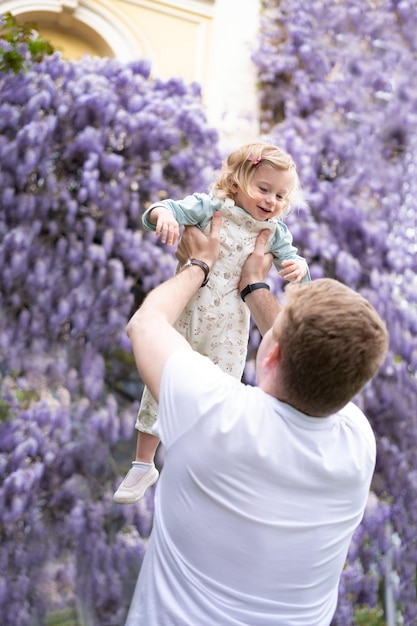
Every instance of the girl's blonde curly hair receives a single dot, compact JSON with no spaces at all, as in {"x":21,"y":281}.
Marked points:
{"x":240,"y":166}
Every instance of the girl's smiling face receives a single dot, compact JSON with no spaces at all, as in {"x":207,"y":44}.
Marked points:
{"x":268,"y":188}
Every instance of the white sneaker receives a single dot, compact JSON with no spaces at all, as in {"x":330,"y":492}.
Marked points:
{"x":134,"y":485}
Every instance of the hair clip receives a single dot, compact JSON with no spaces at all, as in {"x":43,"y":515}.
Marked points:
{"x":255,"y":162}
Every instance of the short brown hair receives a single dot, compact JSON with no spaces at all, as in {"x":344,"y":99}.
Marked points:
{"x":241,"y":165}
{"x":332,"y":342}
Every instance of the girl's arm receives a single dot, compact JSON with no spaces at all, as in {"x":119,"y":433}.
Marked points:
{"x":194,"y":210}
{"x":290,"y":265}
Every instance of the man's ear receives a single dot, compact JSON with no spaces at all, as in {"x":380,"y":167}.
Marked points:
{"x":273,"y":356}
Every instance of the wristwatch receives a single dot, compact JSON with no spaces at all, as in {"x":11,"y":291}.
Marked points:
{"x":201,"y":264}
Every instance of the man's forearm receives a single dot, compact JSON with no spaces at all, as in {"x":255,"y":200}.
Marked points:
{"x":151,"y":331}
{"x":170,"y":298}
{"x":264,"y":308}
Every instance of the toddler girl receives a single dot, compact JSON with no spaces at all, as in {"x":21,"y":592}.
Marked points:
{"x":255,"y":190}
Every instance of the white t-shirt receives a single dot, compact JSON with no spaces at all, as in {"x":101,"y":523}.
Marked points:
{"x":255,"y":507}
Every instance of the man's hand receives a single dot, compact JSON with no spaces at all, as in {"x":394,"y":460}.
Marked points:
{"x":195,"y":244}
{"x":258,"y":264}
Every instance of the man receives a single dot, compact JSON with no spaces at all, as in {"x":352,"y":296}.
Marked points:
{"x":262,"y":487}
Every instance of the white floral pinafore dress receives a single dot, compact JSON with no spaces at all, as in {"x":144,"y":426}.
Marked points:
{"x":216,"y":321}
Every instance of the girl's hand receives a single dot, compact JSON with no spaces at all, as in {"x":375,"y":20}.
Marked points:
{"x":294,"y":270}
{"x":167,"y":227}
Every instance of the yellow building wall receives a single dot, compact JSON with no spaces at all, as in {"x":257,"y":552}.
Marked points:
{"x":174,"y":36}
{"x":204,"y":41}
{"x":179,"y":40}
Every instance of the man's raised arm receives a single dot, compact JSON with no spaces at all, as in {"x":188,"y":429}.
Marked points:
{"x":264,"y":307}
{"x":150,"y":330}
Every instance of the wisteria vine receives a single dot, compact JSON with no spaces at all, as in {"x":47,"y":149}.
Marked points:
{"x":84,"y":148}
{"x":337,"y":92}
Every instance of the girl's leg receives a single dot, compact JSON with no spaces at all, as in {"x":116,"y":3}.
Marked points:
{"x":146,"y":446}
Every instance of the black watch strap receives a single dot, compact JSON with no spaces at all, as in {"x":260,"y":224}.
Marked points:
{"x":251,"y":288}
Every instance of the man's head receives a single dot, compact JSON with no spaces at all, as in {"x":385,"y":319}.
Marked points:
{"x":331,"y":342}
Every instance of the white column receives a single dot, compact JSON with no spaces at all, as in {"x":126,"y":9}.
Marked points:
{"x":231,"y":97}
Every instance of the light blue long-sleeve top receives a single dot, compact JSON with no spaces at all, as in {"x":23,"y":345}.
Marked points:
{"x":198,"y":208}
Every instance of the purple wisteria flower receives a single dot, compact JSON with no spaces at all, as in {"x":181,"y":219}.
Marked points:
{"x":84,"y":149}
{"x":337,"y":92}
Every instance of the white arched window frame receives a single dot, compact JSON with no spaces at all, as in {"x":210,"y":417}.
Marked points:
{"x":102,"y":18}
